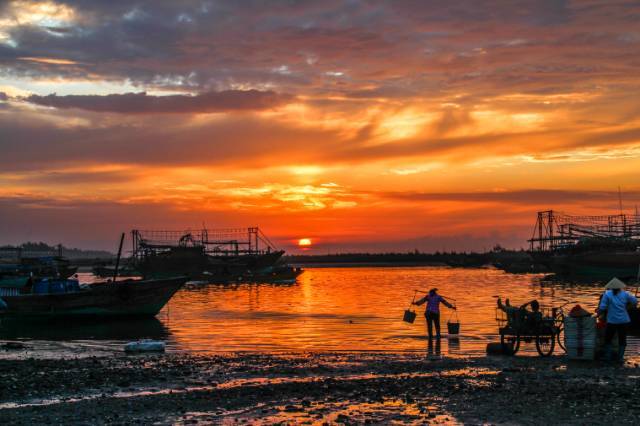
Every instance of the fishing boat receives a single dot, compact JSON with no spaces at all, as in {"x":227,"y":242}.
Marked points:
{"x":66,"y":298}
{"x":598,"y":247}
{"x":216,"y":256}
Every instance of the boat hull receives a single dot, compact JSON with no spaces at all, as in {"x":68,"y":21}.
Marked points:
{"x":198,"y":265}
{"x":597,"y":265}
{"x":121,"y":299}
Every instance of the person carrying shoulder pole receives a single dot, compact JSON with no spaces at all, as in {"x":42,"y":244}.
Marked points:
{"x":432,"y":313}
{"x":614,"y":302}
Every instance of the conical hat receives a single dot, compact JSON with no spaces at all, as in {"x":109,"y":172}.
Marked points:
{"x":615,"y":284}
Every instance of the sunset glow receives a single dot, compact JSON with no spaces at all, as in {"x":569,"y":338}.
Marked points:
{"x":377,"y":126}
{"x":304,"y":242}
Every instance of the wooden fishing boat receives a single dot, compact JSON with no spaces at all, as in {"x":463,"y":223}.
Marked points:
{"x":127,"y":298}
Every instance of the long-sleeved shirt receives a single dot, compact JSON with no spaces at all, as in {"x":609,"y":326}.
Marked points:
{"x":433,"y":303}
{"x":616,"y":306}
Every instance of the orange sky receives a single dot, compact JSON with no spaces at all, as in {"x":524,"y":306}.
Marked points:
{"x":361,"y":125}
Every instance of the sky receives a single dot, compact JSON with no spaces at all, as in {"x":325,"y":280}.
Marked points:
{"x":360,"y":125}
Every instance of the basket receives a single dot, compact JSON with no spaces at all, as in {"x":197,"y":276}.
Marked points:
{"x":409,"y":316}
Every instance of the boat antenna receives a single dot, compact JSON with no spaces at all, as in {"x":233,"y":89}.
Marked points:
{"x":115,"y":272}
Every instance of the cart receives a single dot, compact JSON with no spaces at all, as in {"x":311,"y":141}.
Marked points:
{"x":524,"y":326}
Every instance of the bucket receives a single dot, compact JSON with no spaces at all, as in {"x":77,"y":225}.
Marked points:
{"x":453,"y":324}
{"x":453,"y":327}
{"x":409,"y":316}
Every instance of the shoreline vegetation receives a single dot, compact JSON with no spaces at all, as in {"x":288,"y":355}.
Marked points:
{"x":497,"y":256}
{"x":40,"y":249}
{"x":315,"y":388}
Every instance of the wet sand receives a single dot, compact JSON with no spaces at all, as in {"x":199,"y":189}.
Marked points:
{"x":315,"y":388}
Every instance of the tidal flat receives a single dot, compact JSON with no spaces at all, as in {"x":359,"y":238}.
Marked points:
{"x":316,"y":388}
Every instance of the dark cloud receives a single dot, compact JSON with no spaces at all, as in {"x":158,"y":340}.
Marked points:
{"x":141,"y":103}
{"x":400,"y":47}
{"x":79,"y":178}
{"x":3,"y":96}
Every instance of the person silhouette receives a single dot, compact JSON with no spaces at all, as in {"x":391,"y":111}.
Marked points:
{"x":432,"y":312}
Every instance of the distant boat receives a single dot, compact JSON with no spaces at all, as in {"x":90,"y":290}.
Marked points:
{"x":107,"y":271}
{"x":277,"y":274}
{"x":39,"y":267}
{"x":65,"y":298}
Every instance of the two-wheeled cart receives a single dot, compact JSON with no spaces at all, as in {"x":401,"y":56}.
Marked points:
{"x":521,"y":325}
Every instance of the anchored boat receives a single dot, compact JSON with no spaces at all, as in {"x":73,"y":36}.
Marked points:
{"x":66,"y":298}
{"x":215,"y":256}
{"x":599,"y":247}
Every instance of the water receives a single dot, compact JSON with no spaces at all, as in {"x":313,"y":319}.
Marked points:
{"x":341,"y":309}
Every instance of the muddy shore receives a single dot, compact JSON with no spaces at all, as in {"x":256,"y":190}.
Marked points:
{"x":316,"y":388}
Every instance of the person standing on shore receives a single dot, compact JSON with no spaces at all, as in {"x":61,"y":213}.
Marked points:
{"x":432,"y":313}
{"x":614,"y":303}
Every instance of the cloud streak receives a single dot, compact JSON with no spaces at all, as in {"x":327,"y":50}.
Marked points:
{"x":550,"y":197}
{"x":141,"y":103}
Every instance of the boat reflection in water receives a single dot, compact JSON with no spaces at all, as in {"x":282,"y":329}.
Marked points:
{"x":90,"y":329}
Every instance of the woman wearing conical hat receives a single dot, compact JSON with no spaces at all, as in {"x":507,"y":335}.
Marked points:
{"x":614,"y":302}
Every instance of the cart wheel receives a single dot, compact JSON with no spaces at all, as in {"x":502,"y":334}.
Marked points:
{"x":545,"y":344}
{"x":560,"y":334}
{"x":516,"y":343}
{"x":510,"y":344}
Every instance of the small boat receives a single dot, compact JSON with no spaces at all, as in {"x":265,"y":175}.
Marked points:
{"x":66,"y":298}
{"x":107,"y":271}
{"x":277,"y":274}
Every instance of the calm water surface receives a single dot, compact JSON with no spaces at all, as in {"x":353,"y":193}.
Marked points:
{"x":327,"y":309}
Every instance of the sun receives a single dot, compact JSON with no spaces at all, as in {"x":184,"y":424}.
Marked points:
{"x":304,"y":242}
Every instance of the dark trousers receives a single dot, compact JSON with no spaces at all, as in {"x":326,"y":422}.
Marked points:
{"x":433,"y":318}
{"x":611,"y":331}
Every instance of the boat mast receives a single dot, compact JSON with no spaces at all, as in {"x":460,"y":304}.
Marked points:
{"x":115,"y":272}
